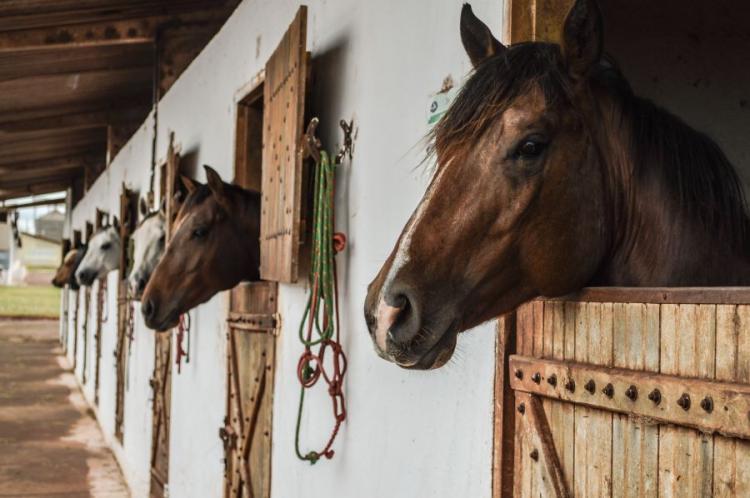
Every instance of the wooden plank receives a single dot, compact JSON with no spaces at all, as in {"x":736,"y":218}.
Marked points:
{"x":522,"y":480}
{"x":284,"y":110}
{"x":688,"y":349}
{"x":660,"y":295}
{"x":732,"y":456}
{"x":545,"y":468}
{"x":593,"y":428}
{"x":504,"y":423}
{"x":731,"y":400}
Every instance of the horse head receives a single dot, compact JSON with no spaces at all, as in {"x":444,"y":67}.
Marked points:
{"x":148,"y":247}
{"x":102,"y":256}
{"x":65,"y":274}
{"x":214,"y":246}
{"x":515,"y":207}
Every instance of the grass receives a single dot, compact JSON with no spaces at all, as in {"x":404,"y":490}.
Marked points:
{"x":36,"y":301}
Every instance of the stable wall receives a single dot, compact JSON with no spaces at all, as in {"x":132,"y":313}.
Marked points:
{"x":408,"y":433}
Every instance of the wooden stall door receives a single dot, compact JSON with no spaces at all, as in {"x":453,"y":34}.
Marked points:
{"x":658,"y":404}
{"x":128,"y":203}
{"x":162,"y":376}
{"x":78,"y":244}
{"x":285,"y":85}
{"x":251,"y":347}
{"x":86,"y":314}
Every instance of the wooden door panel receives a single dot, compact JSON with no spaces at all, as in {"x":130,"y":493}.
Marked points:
{"x":251,"y":353}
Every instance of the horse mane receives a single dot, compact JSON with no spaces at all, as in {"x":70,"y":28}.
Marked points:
{"x":203,"y":192}
{"x":689,"y":165}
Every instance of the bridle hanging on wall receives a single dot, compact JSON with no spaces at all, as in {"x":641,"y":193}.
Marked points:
{"x":323,"y":300}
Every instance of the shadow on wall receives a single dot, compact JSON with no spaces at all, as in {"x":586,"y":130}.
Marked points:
{"x":328,"y":69}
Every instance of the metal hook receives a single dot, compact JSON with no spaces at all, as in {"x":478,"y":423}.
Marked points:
{"x":346,"y":148}
{"x":311,"y":142}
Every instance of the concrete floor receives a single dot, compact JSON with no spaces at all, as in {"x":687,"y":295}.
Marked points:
{"x":50,"y":445}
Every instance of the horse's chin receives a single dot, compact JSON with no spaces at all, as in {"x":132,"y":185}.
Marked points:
{"x":438,"y":355}
{"x":166,"y":323}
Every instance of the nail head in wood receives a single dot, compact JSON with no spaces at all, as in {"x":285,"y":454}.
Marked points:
{"x":521,"y":408}
{"x":609,"y":390}
{"x":707,"y":404}
{"x":552,"y":380}
{"x":519,"y":374}
{"x":534,"y":454}
{"x":655,"y":396}
{"x":570,"y":385}
{"x":684,"y":401}
{"x":632,"y":393}
{"x":590,"y":386}
{"x":537,"y":377}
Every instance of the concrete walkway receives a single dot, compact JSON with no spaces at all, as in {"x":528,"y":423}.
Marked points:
{"x":50,"y":446}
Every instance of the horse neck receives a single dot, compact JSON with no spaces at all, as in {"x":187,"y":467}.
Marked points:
{"x":653,"y":240}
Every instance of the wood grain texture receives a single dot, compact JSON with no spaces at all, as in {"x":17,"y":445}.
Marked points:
{"x":732,"y":456}
{"x":687,"y":348}
{"x":283,"y":114}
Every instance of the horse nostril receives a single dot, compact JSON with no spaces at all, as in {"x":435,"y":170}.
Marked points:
{"x":405,"y":325}
{"x":148,"y":309}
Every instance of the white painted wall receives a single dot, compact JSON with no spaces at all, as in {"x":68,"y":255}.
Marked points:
{"x":409,"y":434}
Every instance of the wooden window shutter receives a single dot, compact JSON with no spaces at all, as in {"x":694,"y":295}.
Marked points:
{"x":283,"y":115}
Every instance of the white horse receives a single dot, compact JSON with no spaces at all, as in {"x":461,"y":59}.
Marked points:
{"x":102,"y":256}
{"x":148,"y":246}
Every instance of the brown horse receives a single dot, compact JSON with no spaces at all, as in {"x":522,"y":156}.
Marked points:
{"x":65,"y":274}
{"x":214,"y":247}
{"x":552,"y":175}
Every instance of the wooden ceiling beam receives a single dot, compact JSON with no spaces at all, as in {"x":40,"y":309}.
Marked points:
{"x":76,"y":120}
{"x":115,"y":32}
{"x":28,"y":14}
{"x":43,"y":165}
{"x":35,"y":189}
{"x":7,"y":120}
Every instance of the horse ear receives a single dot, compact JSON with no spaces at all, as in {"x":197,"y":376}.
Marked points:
{"x":477,"y":37}
{"x":583,"y":37}
{"x":189,"y":184}
{"x":216,"y":184}
{"x":116,"y":224}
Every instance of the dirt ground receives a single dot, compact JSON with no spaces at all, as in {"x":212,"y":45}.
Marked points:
{"x":50,"y":445}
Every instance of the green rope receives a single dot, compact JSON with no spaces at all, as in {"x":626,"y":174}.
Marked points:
{"x":322,"y":298}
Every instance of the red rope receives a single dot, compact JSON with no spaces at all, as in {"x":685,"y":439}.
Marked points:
{"x":183,"y":329}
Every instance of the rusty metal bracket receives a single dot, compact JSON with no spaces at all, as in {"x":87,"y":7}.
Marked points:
{"x":718,"y":407}
{"x":254,"y":322}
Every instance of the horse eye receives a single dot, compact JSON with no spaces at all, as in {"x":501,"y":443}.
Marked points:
{"x":200,"y":232}
{"x":530,"y":149}
{"x":106,"y":246}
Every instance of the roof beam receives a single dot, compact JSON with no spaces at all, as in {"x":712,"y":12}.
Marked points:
{"x":76,"y":120}
{"x":57,"y":163}
{"x":81,"y":35}
{"x":57,"y":185}
{"x":115,"y":32}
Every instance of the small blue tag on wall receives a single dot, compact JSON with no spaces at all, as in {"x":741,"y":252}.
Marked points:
{"x":441,"y":101}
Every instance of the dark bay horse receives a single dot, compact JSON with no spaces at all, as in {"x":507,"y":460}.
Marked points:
{"x":552,"y":175}
{"x":215,"y":245}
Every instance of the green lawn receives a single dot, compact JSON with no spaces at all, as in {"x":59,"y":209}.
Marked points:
{"x":30,"y":301}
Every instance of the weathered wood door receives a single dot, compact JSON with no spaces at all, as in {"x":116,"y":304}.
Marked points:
{"x":128,"y":203}
{"x":283,"y":114}
{"x":86,"y":314}
{"x":78,"y":244}
{"x":251,"y":349}
{"x":162,"y":377}
{"x":634,"y":393}
{"x":101,"y":310}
